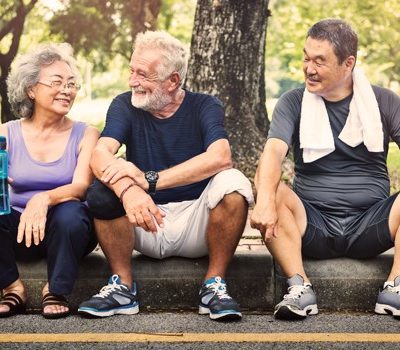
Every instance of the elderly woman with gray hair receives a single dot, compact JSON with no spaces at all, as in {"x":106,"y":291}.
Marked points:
{"x":49,"y":173}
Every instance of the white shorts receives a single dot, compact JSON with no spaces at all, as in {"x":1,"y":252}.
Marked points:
{"x":185,"y":223}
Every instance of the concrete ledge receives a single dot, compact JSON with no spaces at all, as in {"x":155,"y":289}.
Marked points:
{"x":165,"y":284}
{"x":254,"y":281}
{"x":344,"y":284}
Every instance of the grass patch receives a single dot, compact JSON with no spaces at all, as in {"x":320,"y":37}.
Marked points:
{"x":393,"y":162}
{"x":393,"y":156}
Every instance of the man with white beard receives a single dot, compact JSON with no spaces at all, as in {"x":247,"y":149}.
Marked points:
{"x":176,"y":193}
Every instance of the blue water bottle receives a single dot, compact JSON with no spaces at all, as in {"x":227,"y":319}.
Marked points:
{"x":4,"y":198}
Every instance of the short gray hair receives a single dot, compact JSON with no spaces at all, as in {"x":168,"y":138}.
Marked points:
{"x":339,"y":34}
{"x":26,"y":70}
{"x":174,"y":52}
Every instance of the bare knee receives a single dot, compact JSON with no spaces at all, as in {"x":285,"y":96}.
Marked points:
{"x":232,"y":202}
{"x":290,"y":206}
{"x":394,"y":219}
{"x":283,"y":195}
{"x":232,"y":205}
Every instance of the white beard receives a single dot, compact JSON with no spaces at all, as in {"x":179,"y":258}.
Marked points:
{"x":155,"y":101}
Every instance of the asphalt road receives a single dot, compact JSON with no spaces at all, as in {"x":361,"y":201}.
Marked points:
{"x":181,"y":330}
{"x":172,"y":330}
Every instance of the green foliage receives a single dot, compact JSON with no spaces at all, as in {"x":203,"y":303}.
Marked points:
{"x":101,"y":31}
{"x":113,"y":81}
{"x":177,"y":18}
{"x":393,"y":162}
{"x":7,"y":13}
{"x":376,"y":22}
{"x":394,"y":156}
{"x":89,"y":26}
{"x":37,"y":30}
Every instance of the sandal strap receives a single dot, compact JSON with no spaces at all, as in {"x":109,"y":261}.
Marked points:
{"x":11,"y":299}
{"x":7,"y":303}
{"x":14,"y":302}
{"x":54,"y":299}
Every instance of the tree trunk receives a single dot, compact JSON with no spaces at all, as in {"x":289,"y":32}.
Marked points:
{"x":144,"y":15}
{"x":227,"y":60}
{"x":6,"y":113}
{"x":14,"y":26}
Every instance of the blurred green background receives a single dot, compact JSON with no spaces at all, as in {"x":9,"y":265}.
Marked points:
{"x":103,"y":53}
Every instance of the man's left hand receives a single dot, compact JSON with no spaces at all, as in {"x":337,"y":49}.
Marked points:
{"x":141,"y":210}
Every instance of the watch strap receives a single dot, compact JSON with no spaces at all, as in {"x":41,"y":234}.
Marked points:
{"x":152,"y":187}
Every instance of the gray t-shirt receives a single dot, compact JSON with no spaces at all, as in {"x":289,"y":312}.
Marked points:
{"x":348,"y":179}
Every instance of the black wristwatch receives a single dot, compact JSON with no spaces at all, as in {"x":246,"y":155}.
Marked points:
{"x":151,"y":177}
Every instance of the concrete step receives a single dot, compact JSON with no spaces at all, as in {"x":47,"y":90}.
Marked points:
{"x":253,"y":279}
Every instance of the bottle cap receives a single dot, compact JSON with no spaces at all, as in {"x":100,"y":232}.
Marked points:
{"x":3,"y":143}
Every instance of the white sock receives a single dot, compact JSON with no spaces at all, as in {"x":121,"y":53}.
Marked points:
{"x":390,"y":283}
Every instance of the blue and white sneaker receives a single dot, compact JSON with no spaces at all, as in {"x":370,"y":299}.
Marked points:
{"x":113,"y":299}
{"x":216,"y":302}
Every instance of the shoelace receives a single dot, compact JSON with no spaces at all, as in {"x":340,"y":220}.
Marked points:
{"x":219,"y":288}
{"x":295,"y":292}
{"x":106,"y":290}
{"x":393,"y":289}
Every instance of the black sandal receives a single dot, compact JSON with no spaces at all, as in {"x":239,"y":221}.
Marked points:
{"x":54,"y":299}
{"x":15,"y":303}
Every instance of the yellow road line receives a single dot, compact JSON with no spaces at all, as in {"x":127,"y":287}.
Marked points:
{"x":197,"y":337}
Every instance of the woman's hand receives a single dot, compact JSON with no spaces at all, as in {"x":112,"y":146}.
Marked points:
{"x":32,"y":223}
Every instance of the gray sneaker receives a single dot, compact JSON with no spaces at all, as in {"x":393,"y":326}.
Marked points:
{"x":388,"y":302}
{"x":300,"y":301}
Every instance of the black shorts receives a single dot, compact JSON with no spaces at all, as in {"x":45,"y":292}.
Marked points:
{"x":103,"y":203}
{"x":355,"y":235}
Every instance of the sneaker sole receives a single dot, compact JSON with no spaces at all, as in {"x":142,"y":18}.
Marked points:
{"x":384,"y":309}
{"x":287,"y":313}
{"x":204,"y":310}
{"x":228,"y":315}
{"x":118,"y":311}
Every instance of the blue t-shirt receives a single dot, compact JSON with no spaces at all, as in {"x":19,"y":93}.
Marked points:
{"x":159,"y":144}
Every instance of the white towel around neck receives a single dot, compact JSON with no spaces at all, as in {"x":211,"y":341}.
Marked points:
{"x":363,"y":124}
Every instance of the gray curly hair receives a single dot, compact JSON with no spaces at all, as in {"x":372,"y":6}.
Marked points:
{"x":174,"y":52}
{"x":26,"y":70}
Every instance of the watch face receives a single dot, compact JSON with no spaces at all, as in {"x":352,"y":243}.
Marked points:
{"x":151,"y":176}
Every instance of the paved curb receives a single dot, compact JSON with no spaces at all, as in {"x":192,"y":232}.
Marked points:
{"x":254,"y":281}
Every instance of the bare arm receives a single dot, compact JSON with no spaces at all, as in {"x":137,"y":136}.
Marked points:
{"x":33,"y":219}
{"x":139,"y":206}
{"x":83,"y":175}
{"x":268,"y":174}
{"x":120,"y":174}
{"x":216,"y":158}
{"x":104,"y":161}
{"x":3,"y":130}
